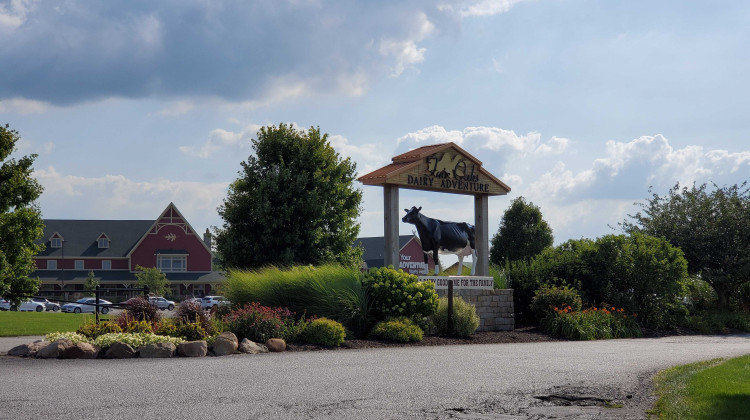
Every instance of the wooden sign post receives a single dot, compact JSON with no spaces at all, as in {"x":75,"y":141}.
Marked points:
{"x":443,"y":168}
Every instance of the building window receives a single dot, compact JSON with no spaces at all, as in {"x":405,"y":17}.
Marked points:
{"x":103,"y":243}
{"x":79,"y":264}
{"x":51,"y":264}
{"x":56,"y":243}
{"x":106,"y":264}
{"x":167,"y":263}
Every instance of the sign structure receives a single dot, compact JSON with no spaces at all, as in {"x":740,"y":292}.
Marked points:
{"x":444,"y":168}
{"x":461,"y":282}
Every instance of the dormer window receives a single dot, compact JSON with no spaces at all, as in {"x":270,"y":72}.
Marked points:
{"x":103,"y":241}
{"x":56,"y":242}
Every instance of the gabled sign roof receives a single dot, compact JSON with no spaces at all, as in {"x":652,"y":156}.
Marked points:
{"x":441,"y":167}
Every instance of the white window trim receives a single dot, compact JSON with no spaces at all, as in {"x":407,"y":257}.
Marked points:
{"x":108,"y":262}
{"x":56,"y":242}
{"x":171,"y":258}
{"x":51,"y":264}
{"x":103,"y":240}
{"x":77,"y":263}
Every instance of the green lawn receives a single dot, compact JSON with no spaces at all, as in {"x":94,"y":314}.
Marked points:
{"x":716,"y":389}
{"x":40,"y":323}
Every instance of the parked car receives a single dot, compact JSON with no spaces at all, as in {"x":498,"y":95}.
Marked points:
{"x":192,"y":299}
{"x":214,"y":302}
{"x":27,"y":306}
{"x":87,"y":305}
{"x":161,"y":303}
{"x":48,"y":305}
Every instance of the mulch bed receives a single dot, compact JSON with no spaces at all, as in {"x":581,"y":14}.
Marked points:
{"x":519,"y":335}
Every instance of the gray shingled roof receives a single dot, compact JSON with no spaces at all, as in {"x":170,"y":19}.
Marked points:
{"x":374,"y":248}
{"x":81,"y":237}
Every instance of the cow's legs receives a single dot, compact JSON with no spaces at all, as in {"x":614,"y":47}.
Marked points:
{"x":460,"y":263}
{"x":473,"y":261}
{"x":437,"y":261}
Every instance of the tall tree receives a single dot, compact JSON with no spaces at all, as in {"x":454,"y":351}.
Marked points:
{"x":523,"y":233}
{"x":20,"y":220}
{"x":153,"y":278}
{"x":711,"y":227}
{"x":294,"y":203}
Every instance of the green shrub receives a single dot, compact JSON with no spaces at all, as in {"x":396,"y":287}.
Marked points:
{"x":465,"y":318}
{"x":548,"y":297}
{"x":400,"y":329}
{"x":592,"y":323}
{"x":190,"y":331}
{"x":324,"y":331}
{"x":699,"y":295}
{"x":259,"y":323}
{"x":166,"y":327}
{"x":93,"y":330}
{"x":396,"y":293}
{"x":139,"y":327}
{"x":721,"y":322}
{"x":328,"y":291}
{"x":498,"y":276}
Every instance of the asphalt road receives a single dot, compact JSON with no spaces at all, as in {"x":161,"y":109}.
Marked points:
{"x":468,"y":381}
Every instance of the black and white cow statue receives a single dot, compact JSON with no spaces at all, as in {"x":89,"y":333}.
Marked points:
{"x":438,"y":236}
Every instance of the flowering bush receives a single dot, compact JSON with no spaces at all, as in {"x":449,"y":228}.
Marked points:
{"x":465,"y":318}
{"x":592,"y":323}
{"x":259,"y":323}
{"x":324,"y":331}
{"x":401,"y":329}
{"x":550,"y":296}
{"x":72,"y":336}
{"x":396,"y":293}
{"x":135,"y":340}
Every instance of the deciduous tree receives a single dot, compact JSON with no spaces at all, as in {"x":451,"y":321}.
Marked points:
{"x":523,"y":233}
{"x":20,"y":220}
{"x":711,"y":226}
{"x":153,"y":278}
{"x":293,"y":203}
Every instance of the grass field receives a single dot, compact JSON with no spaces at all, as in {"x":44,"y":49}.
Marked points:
{"x":40,"y":323}
{"x":716,"y":389}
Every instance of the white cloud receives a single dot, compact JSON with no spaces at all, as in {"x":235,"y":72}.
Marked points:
{"x":480,"y":8}
{"x":117,"y":197}
{"x":221,"y":139}
{"x":367,"y":156}
{"x":405,"y":52}
{"x":22,"y":106}
{"x":433,"y":134}
{"x":13,"y":14}
{"x":178,"y":108}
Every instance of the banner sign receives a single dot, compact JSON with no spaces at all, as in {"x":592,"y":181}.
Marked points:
{"x":461,"y":282}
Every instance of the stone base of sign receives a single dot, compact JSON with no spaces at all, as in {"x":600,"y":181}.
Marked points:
{"x":494,"y":307}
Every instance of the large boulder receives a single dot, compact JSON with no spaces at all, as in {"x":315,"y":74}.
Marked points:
{"x":81,"y":351}
{"x":192,"y":349}
{"x":157,"y":350}
{"x":225,"y":343}
{"x":120,"y":351}
{"x":251,"y":347}
{"x":28,"y":350}
{"x":276,"y":344}
{"x":54,"y":349}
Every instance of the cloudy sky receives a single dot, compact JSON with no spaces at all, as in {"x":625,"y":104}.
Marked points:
{"x":579,"y":106}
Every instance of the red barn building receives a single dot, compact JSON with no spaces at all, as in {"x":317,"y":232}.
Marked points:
{"x":112,"y":249}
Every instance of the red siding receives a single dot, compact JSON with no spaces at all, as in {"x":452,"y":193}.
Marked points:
{"x":411,"y":259}
{"x":198,"y":259}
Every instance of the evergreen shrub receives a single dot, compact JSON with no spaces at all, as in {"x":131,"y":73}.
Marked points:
{"x":465,"y":318}
{"x":324,"y":331}
{"x":548,"y":297}
{"x":400,"y":329}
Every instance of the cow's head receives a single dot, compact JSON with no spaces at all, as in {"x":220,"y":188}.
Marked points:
{"x":412,"y":216}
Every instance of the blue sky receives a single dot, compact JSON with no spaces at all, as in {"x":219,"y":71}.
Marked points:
{"x":579,"y":106}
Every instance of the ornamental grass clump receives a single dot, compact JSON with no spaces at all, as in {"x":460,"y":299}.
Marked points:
{"x":400,"y":329}
{"x":593,"y":323}
{"x":465,"y":318}
{"x":259,"y":323}
{"x":395,"y":293}
{"x":324,"y":331}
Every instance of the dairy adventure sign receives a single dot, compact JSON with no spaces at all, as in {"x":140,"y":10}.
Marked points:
{"x":449,"y":170}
